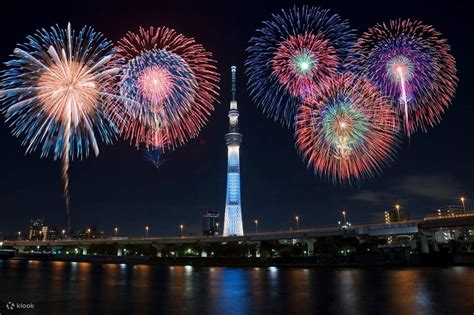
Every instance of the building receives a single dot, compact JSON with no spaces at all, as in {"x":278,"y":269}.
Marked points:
{"x":450,"y":211}
{"x":49,"y":233}
{"x":210,"y":223}
{"x":447,"y":212}
{"x":44,"y":233}
{"x":36,"y":226}
{"x":395,"y":216}
{"x":233,"y":210}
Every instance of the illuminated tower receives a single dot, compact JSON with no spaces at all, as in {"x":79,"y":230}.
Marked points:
{"x":233,"y":212}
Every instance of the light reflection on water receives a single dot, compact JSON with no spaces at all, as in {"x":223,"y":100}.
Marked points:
{"x":83,"y":288}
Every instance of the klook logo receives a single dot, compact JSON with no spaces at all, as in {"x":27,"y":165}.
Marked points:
{"x":19,"y":305}
{"x":10,"y":306}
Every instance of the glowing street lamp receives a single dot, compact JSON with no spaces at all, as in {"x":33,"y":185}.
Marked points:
{"x":146,"y":231}
{"x":297,"y":219}
{"x":19,"y":235}
{"x":463,"y":203}
{"x":397,"y":206}
{"x":88,"y":233}
{"x":344,"y":216}
{"x":116,"y":231}
{"x":181,"y":229}
{"x":256,"y":226}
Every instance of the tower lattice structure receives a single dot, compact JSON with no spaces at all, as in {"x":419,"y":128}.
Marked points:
{"x":233,"y":211}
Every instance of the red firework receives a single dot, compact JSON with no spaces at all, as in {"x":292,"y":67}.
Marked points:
{"x":167,"y":83}
{"x":303,"y":62}
{"x":349,"y":131}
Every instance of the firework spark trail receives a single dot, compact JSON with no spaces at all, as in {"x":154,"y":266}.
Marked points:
{"x":414,"y":67}
{"x":404,"y":97}
{"x":53,"y":92}
{"x":65,"y":175}
{"x":348,"y":132}
{"x":154,"y":156}
{"x":292,"y":55}
{"x":169,"y":83}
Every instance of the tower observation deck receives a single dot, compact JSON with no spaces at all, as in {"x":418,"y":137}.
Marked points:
{"x":233,"y":211}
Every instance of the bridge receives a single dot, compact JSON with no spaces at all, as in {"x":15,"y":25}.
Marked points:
{"x":306,"y":236}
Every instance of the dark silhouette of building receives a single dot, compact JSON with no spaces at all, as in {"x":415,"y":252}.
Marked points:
{"x":90,"y":233}
{"x":36,"y":229}
{"x":50,"y":233}
{"x":210,"y":223}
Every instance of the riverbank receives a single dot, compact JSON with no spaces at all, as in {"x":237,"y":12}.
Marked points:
{"x":314,"y":261}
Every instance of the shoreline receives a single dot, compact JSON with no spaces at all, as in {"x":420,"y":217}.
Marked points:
{"x":294,"y":262}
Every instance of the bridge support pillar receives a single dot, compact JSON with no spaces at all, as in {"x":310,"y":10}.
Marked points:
{"x":425,"y":248}
{"x":203,"y":253}
{"x":309,"y":247}
{"x":159,"y":249}
{"x":84,"y":250}
{"x":119,"y":251}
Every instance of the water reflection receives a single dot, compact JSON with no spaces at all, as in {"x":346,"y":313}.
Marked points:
{"x":349,"y":291}
{"x":83,"y":288}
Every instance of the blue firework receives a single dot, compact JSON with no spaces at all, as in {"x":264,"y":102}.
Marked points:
{"x":292,"y":55}
{"x":154,"y":157}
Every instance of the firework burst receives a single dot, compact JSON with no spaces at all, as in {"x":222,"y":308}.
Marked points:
{"x":348,"y":132}
{"x":52,"y":94}
{"x":292,"y":55}
{"x":167,"y":82}
{"x":413,"y":65}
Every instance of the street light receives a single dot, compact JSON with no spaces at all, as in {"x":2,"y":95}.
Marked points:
{"x":397,"y":206}
{"x":463,"y":203}
{"x":344,"y":216}
{"x":256,"y":226}
{"x":146,"y":231}
{"x":217,"y":227}
{"x":297,"y":219}
{"x":181,"y":228}
{"x":89,"y":233}
{"x":63,"y":232}
{"x":116,"y":231}
{"x":19,"y":235}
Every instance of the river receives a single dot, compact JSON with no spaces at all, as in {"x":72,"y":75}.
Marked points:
{"x":85,"y":288}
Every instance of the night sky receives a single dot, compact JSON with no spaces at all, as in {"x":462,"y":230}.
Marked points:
{"x":120,"y":188}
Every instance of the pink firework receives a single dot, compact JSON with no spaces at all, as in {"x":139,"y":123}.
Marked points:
{"x":348,"y":132}
{"x":413,"y":65}
{"x":155,"y":83}
{"x":303,"y":62}
{"x":168,"y":84}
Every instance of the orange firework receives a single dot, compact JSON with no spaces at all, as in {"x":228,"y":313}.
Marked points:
{"x":53,"y":94}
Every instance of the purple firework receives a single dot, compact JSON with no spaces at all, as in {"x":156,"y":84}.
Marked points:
{"x":412,"y":64}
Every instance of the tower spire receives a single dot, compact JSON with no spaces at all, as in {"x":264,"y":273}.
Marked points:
{"x":233,"y":71}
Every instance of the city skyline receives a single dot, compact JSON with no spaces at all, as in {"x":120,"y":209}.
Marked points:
{"x":431,"y":171}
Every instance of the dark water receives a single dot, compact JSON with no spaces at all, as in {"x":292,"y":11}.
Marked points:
{"x":83,"y":288}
